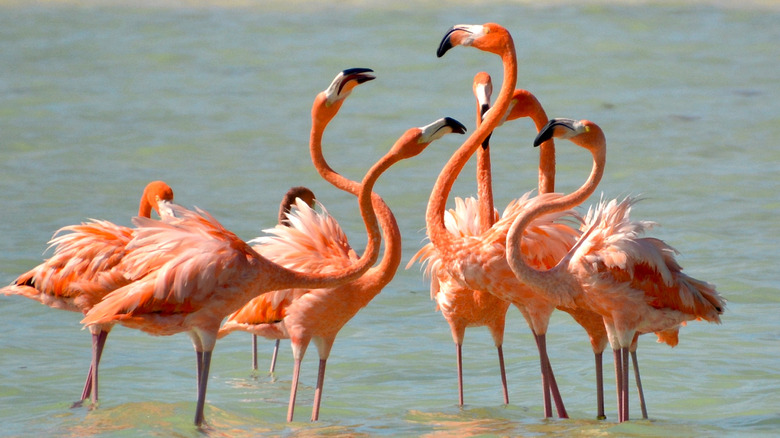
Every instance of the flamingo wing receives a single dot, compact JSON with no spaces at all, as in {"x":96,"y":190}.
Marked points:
{"x":82,"y":269}
{"x":312,"y":242}
{"x":616,"y":254}
{"x":176,"y":266}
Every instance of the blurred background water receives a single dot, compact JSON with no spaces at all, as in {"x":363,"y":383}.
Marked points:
{"x":98,"y":97}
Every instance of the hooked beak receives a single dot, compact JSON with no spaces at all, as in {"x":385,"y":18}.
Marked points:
{"x":447,"y":43}
{"x":439,"y":128}
{"x":548,"y":131}
{"x":360,"y":75}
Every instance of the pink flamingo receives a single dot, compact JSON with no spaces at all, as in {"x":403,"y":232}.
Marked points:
{"x":84,"y":269}
{"x":307,"y":196}
{"x":634,"y":283}
{"x":460,"y":306}
{"x":479,"y":262}
{"x":320,"y":314}
{"x":189,"y":273}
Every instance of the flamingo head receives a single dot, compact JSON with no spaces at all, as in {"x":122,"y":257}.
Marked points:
{"x":298,"y":192}
{"x":345,"y":82}
{"x":415,"y":140}
{"x":156,"y":194}
{"x":483,"y":90}
{"x":489,"y":37}
{"x":581,"y":132}
{"x":523,"y":104}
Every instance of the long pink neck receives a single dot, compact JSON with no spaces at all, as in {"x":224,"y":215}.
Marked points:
{"x":546,"y":153}
{"x":542,"y":280}
{"x":484,"y":182}
{"x":391,"y":258}
{"x":434,"y":216}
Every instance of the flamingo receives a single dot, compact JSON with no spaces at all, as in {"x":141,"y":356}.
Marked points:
{"x":634,"y":283}
{"x":84,"y":268}
{"x":462,"y":307}
{"x":479,"y":262}
{"x":320,"y":314}
{"x":307,"y":196}
{"x":189,"y":273}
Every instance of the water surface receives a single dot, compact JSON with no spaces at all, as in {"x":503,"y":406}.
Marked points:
{"x":97,"y":99}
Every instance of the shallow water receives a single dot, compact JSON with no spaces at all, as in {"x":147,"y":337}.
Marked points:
{"x":96,"y":99}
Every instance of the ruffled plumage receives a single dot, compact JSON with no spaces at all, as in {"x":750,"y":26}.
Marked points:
{"x":615,"y":255}
{"x":312,"y":242}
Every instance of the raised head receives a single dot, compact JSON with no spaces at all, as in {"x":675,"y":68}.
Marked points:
{"x":345,"y":82}
{"x":328,"y":102}
{"x":294,"y":193}
{"x":483,"y":90}
{"x":583,"y":133}
{"x":155,"y":195}
{"x":489,"y":37}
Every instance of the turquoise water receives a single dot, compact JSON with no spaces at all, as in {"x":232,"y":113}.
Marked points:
{"x":96,"y":99}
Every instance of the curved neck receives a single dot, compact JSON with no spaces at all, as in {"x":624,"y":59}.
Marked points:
{"x":528,"y":275}
{"x":546,"y":153}
{"x":434,"y":216}
{"x":484,"y":181}
{"x":391,"y":258}
{"x":145,"y":207}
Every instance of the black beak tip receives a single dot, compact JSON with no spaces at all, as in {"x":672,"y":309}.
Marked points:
{"x":455,"y":125}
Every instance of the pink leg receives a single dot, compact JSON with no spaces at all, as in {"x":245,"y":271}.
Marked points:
{"x":601,"y":415}
{"x":90,"y":389}
{"x":548,"y":380}
{"x":293,"y":390}
{"x":273,"y":358}
{"x":459,"y":359}
{"x":547,"y":403}
{"x":503,"y":373}
{"x":624,"y":388}
{"x":639,"y":385}
{"x":315,"y":412}
{"x":204,"y":363}
{"x":618,"y":378}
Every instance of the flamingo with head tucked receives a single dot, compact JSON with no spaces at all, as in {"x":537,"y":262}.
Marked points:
{"x":289,"y":199}
{"x":634,"y":283}
{"x":84,"y":268}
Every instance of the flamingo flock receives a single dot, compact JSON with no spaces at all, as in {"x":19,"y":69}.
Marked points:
{"x":186,"y":273}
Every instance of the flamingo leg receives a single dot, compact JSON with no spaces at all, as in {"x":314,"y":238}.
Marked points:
{"x":639,"y":385}
{"x":459,"y":359}
{"x":624,"y":388}
{"x":199,"y":368}
{"x":293,"y":389}
{"x":204,"y":363}
{"x":549,"y":385}
{"x":90,"y":389}
{"x":547,"y":403}
{"x":315,"y":412}
{"x":503,"y":373}
{"x":273,"y":357}
{"x":618,"y":379}
{"x":600,"y":415}
{"x":254,"y":353}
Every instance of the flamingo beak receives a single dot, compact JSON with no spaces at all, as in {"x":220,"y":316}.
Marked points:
{"x":554,"y":125}
{"x":482,"y":111}
{"x":360,"y":75}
